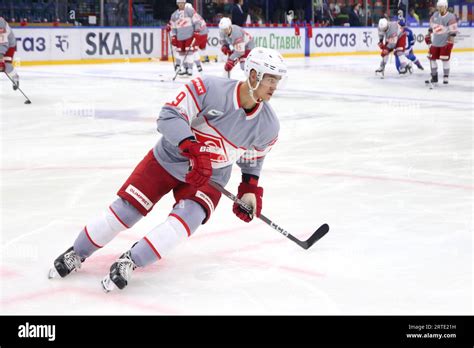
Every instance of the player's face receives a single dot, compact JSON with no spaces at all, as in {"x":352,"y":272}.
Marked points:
{"x":267,"y":86}
{"x":181,"y":5}
{"x":442,"y":9}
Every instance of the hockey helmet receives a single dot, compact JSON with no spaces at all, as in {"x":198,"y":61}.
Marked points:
{"x":442,"y":3}
{"x":225,"y":23}
{"x":383,"y":24}
{"x":265,"y":61}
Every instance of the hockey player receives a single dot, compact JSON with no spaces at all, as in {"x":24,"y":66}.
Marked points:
{"x":395,"y":40}
{"x":182,"y":37}
{"x":444,"y":27}
{"x":7,"y":51}
{"x":232,"y":35}
{"x":200,"y":36}
{"x":212,"y":123}
{"x":410,"y":42}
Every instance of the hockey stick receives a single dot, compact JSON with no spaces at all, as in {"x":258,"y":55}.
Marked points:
{"x":185,"y":56}
{"x":28,"y":101}
{"x":318,"y":234}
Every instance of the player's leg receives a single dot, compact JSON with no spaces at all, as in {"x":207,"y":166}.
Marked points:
{"x":397,"y":63}
{"x":445,"y":56}
{"x":137,"y":196}
{"x":9,"y":68}
{"x":433,"y":55}
{"x":405,"y":64}
{"x":197,"y":60}
{"x":194,"y":208}
{"x":411,"y":56}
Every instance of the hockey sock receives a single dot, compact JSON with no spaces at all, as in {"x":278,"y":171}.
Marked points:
{"x":446,"y":67}
{"x":434,"y":67}
{"x":120,"y":216}
{"x":183,"y":220}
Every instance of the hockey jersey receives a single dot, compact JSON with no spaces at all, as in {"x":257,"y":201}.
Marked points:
{"x":182,"y":24}
{"x":209,"y":109}
{"x":7,"y":39}
{"x":239,"y":39}
{"x":391,"y":35}
{"x":443,"y":27}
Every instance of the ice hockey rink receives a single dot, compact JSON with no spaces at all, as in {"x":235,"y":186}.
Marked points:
{"x":387,"y":163}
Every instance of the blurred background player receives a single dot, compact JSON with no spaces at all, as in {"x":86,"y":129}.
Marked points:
{"x":7,"y":51}
{"x":200,"y":37}
{"x":395,"y":40}
{"x":182,"y":37}
{"x":443,"y":27}
{"x":242,"y":43}
{"x":410,"y":43}
{"x":196,"y":146}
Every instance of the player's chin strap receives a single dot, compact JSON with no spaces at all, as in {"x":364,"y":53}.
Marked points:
{"x":251,"y":90}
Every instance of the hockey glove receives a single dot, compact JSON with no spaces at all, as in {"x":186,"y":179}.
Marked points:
{"x":168,"y":27}
{"x":229,"y":65}
{"x":199,"y":160}
{"x":226,"y":50}
{"x":385,"y":52}
{"x":428,"y":39}
{"x":381,"y":45}
{"x":174,"y":41}
{"x":2,"y":66}
{"x":252,"y":195}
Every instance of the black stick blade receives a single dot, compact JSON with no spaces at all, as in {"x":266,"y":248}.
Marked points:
{"x":317,"y":235}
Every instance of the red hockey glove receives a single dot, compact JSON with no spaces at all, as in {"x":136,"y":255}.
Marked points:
{"x":252,"y":195}
{"x":381,"y":45}
{"x":428,"y":39}
{"x":168,"y":27}
{"x":2,"y":66}
{"x":229,"y":65}
{"x":174,"y":41}
{"x":199,"y":161}
{"x":226,"y":50}
{"x":385,"y":52}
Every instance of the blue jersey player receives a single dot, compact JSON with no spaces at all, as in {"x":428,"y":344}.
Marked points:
{"x":408,"y":48}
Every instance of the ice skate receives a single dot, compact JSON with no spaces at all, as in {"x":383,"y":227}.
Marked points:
{"x":120,"y":273}
{"x":419,"y":66}
{"x":406,"y":69}
{"x":445,"y":79}
{"x":16,"y":80}
{"x":65,"y":263}
{"x":432,"y":82}
{"x":380,"y":72}
{"x":199,"y":67}
{"x":189,"y":71}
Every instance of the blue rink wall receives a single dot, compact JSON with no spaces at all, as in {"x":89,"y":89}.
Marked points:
{"x":105,"y":45}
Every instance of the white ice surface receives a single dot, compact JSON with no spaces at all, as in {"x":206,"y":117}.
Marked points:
{"x":386,"y":163}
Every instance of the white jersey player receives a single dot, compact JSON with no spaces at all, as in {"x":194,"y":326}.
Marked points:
{"x":7,"y":51}
{"x":444,"y":28}
{"x":200,"y":36}
{"x":211,"y":124}
{"x":242,"y":43}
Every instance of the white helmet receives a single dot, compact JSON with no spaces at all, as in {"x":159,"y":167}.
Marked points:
{"x":180,"y":1}
{"x":383,"y":24}
{"x":225,"y":23}
{"x":443,"y":3}
{"x":265,"y":61}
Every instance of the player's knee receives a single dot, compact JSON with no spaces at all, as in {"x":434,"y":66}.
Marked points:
{"x":124,"y":214}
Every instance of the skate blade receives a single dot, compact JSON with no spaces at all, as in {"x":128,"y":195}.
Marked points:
{"x":52,"y":274}
{"x":108,"y":285}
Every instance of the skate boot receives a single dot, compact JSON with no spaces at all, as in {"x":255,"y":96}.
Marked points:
{"x":16,"y":80}
{"x":65,"y":263}
{"x":445,"y":79}
{"x":432,"y":82}
{"x":120,"y":273}
{"x":419,"y":66}
{"x":405,"y":69}
{"x":380,"y":71}
{"x":199,"y":67}
{"x":189,"y":71}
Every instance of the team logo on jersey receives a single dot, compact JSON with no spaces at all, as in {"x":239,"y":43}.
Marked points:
{"x":216,"y":146}
{"x":199,"y":86}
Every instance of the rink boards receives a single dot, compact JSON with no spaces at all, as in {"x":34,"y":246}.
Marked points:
{"x":96,"y":45}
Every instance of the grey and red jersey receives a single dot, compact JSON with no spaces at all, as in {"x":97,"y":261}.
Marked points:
{"x":7,"y":39}
{"x":391,"y":35}
{"x":442,"y":27}
{"x":239,"y":39}
{"x":182,"y":24}
{"x":199,"y":24}
{"x":209,"y":109}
